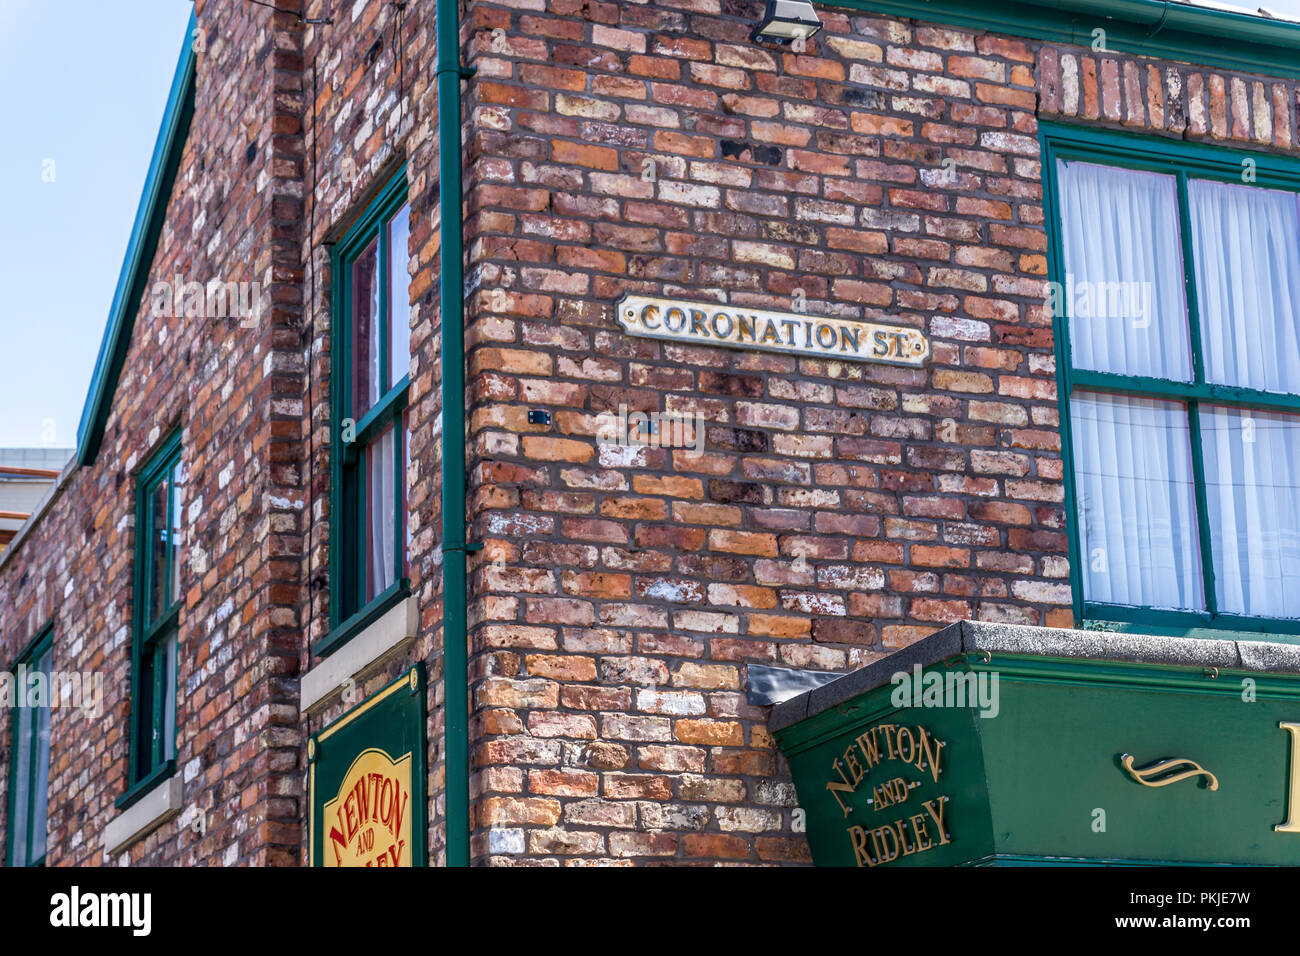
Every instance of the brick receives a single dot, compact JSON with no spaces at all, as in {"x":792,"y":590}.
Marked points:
{"x":837,"y":511}
{"x":717,"y":733}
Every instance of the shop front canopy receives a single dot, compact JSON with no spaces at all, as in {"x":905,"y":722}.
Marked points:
{"x":988,"y":744}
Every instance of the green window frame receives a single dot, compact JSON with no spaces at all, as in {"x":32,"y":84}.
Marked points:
{"x":29,"y":758}
{"x":1183,"y":161}
{"x":156,"y":620}
{"x":371,"y":384}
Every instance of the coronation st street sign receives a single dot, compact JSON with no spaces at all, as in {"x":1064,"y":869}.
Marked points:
{"x":739,"y":327}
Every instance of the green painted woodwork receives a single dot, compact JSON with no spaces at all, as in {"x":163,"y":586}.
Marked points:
{"x":151,"y":628}
{"x":392,"y":720}
{"x":455,"y":586}
{"x":133,"y":278}
{"x":1189,"y":34}
{"x":1182,"y":160}
{"x":31,"y":656}
{"x":349,"y":613}
{"x":1025,"y":785}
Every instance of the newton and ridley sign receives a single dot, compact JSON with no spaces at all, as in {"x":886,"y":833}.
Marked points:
{"x":368,"y":821}
{"x":1150,"y":750}
{"x":740,"y":327}
{"x":366,"y":781}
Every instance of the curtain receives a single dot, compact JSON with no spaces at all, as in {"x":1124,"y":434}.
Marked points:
{"x":381,"y":507}
{"x":1136,"y":516}
{"x":1252,"y":460}
{"x":1124,"y":275}
{"x":1246,"y":241}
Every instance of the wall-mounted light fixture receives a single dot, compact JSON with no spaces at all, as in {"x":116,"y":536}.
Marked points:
{"x":786,"y":21}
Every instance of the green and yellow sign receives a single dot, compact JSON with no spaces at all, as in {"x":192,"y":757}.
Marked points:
{"x":367,"y":781}
{"x":1022,"y":758}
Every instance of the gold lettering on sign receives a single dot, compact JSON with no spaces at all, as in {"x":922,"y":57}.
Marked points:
{"x":888,"y":794}
{"x":914,"y":746}
{"x":731,"y":326}
{"x":904,"y":837}
{"x":1292,"y":825}
{"x":916,"y":749}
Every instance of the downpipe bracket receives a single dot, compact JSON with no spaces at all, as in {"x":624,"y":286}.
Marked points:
{"x":464,"y":72}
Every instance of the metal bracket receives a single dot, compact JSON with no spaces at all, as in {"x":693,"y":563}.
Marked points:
{"x":464,"y":72}
{"x":1160,"y":24}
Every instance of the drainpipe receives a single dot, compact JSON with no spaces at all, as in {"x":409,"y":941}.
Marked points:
{"x":455,"y":671}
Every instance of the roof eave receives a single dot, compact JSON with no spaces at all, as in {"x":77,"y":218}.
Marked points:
{"x":149,"y":218}
{"x":1168,"y":30}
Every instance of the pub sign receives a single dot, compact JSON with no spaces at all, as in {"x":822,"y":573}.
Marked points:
{"x":367,"y":781}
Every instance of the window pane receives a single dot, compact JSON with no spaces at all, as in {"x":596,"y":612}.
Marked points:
{"x":178,"y":485}
{"x":365,"y":330}
{"x":168,"y":652}
{"x":142,"y":713}
{"x":406,"y":491}
{"x":1246,"y":241}
{"x":31,"y":753}
{"x":1252,"y":460}
{"x":40,"y":800}
{"x":399,"y":294}
{"x":381,"y":511}
{"x":20,"y":780}
{"x":1136,"y":512}
{"x":1123,"y":287}
{"x":156,"y":520}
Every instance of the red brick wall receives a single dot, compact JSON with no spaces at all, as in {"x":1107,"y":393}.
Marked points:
{"x":232,"y":390}
{"x":839,"y":511}
{"x":375,"y":107}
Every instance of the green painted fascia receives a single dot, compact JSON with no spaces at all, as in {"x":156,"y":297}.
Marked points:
{"x":1021,"y":859}
{"x":1168,"y":30}
{"x":134,"y":277}
{"x":873,"y":705}
{"x":1143,"y":150}
{"x":1081,"y":672}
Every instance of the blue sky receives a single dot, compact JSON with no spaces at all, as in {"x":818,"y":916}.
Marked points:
{"x":83,"y":85}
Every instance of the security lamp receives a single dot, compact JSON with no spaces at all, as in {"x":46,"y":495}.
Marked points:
{"x":786,"y":21}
